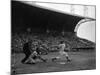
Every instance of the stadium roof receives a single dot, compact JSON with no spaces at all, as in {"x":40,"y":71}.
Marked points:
{"x":40,"y":19}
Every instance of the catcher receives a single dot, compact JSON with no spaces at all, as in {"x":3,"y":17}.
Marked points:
{"x":30,"y":54}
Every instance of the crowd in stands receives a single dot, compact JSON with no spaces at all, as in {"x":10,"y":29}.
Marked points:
{"x":50,"y":42}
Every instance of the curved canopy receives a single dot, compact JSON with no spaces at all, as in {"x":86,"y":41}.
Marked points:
{"x":87,"y":31}
{"x":38,"y":19}
{"x":82,"y":21}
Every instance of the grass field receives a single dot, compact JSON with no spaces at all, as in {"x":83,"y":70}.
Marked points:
{"x":84,"y":60}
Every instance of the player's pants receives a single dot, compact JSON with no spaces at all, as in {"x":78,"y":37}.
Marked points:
{"x":62,"y":54}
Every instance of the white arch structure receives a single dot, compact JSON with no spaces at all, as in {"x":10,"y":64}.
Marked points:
{"x":85,"y":28}
{"x":82,"y":21}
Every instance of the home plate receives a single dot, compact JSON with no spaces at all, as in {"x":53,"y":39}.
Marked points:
{"x":62,"y":63}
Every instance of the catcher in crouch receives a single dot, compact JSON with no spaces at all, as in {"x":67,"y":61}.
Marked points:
{"x":31,"y":55}
{"x":62,"y":52}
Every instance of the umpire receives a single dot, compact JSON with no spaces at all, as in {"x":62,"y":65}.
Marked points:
{"x":27,"y":50}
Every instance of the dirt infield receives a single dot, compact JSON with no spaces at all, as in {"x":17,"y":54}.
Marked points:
{"x":80,"y":61}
